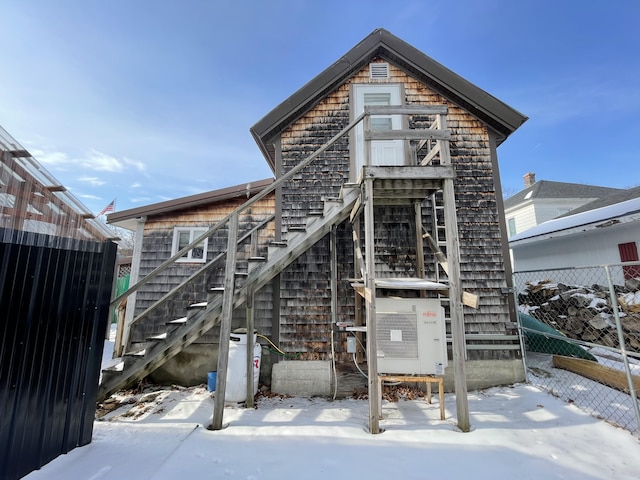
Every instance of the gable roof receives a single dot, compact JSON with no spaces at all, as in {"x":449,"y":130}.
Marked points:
{"x":127,"y":218}
{"x":618,"y":196}
{"x":498,"y":115}
{"x":543,"y":189}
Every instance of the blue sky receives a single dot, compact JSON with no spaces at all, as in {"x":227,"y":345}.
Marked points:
{"x":145,"y":101}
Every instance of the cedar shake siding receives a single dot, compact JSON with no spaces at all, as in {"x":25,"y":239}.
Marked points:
{"x":157,"y":244}
{"x":305,"y":313}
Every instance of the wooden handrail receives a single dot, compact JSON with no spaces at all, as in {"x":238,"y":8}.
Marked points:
{"x":199,"y":272}
{"x":368,"y":111}
{"x":238,"y":210}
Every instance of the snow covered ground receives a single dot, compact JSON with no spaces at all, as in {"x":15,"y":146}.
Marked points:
{"x":517,"y":432}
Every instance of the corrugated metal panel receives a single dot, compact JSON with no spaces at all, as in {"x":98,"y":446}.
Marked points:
{"x":54,"y":303}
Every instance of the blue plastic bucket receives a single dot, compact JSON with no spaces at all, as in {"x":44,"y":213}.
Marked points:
{"x":211,"y":381}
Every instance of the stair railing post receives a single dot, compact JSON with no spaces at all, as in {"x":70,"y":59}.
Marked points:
{"x":225,"y":324}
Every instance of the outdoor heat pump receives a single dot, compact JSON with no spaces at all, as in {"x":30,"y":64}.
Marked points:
{"x":411,"y":336}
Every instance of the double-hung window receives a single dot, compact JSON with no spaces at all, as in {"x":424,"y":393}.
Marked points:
{"x":183,"y":236}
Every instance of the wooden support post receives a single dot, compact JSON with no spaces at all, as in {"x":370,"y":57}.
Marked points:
{"x":133,"y":279}
{"x":455,"y":288}
{"x":250,"y":346}
{"x":372,"y":347}
{"x":358,"y":298}
{"x":225,"y":323}
{"x":334,"y":303}
{"x":420,"y":272}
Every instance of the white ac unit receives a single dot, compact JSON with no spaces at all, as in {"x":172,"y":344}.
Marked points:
{"x":411,"y":336}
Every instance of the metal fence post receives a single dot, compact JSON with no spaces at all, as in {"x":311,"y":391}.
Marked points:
{"x":623,"y":347}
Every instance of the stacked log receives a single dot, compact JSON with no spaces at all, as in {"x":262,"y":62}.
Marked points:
{"x":585,"y":312}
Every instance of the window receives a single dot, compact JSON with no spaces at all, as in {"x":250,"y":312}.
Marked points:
{"x":512,"y":226}
{"x":183,"y":236}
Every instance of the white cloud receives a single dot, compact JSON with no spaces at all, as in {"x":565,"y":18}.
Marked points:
{"x":51,"y":158}
{"x":135,"y":185}
{"x":92,"y":160}
{"x":139,"y":199}
{"x":135,"y":163}
{"x":93,"y":181}
{"x":89,"y":197}
{"x":102,"y":162}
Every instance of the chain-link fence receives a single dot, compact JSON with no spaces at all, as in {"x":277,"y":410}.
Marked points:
{"x":581,"y":333}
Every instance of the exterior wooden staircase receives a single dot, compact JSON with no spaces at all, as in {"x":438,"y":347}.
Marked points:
{"x":386,"y":184}
{"x":201,"y":317}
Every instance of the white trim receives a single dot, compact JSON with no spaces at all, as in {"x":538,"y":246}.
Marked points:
{"x":194,"y":232}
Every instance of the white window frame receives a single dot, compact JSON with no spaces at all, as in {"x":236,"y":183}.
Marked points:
{"x":194,"y":232}
{"x":511,"y":223}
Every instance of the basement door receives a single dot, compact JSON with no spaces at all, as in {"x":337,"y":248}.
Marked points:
{"x":383,"y":152}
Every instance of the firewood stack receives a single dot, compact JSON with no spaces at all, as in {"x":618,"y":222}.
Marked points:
{"x":585,"y":313}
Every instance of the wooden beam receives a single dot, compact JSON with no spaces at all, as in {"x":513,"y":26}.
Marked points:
{"x":355,"y":211}
{"x":607,"y":376}
{"x":435,"y":249}
{"x":363,"y":291}
{"x":358,"y":253}
{"x":372,"y":346}
{"x":430,"y":156}
{"x":412,"y":134}
{"x":225,"y":324}
{"x":469,"y":299}
{"x":406,"y":110}
{"x":411,"y":172}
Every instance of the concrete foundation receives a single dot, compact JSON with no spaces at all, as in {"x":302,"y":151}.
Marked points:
{"x":304,"y":379}
{"x":190,"y":367}
{"x":309,"y":378}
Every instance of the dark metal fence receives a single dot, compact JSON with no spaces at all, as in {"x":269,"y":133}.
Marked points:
{"x":581,"y":328}
{"x":54,"y":302}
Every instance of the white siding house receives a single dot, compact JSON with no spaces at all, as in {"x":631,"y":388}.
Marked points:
{"x":606,"y":231}
{"x":543,"y":200}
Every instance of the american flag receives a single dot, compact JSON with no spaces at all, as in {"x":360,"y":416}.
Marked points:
{"x":109,"y":208}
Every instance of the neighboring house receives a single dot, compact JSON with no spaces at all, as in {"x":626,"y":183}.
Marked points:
{"x":162,"y":229}
{"x":329,"y":168}
{"x":543,"y":200}
{"x":56,"y":271}
{"x":605,"y":231}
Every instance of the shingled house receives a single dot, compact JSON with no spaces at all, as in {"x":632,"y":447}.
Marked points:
{"x":367,"y":158}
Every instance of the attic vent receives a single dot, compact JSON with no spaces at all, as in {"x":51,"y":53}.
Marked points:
{"x":378,"y":70}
